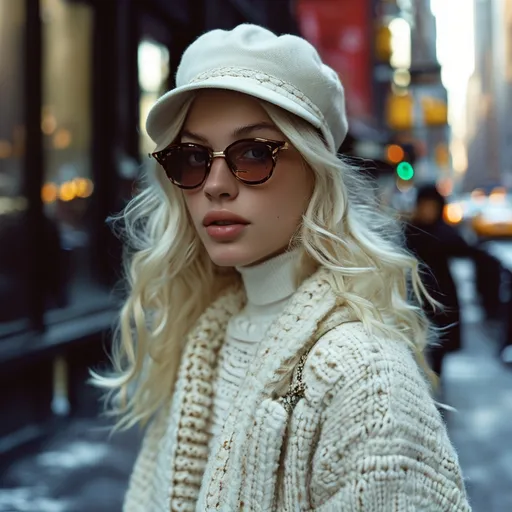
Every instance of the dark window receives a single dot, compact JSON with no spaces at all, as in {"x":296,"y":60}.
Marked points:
{"x":13,"y":204}
{"x":57,"y":239}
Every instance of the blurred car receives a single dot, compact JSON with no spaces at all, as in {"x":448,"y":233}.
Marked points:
{"x":481,"y":215}
{"x":494,"y":221}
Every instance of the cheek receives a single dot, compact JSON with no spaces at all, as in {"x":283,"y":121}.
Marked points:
{"x":192,"y":204}
{"x":298,"y":190}
{"x":289,"y":201}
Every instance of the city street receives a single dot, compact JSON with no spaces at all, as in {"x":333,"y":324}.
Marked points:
{"x":479,"y":387}
{"x":82,"y":470}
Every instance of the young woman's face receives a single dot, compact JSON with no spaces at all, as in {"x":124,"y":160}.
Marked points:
{"x":267,"y":215}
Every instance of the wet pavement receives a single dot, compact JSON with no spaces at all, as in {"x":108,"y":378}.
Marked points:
{"x":479,"y":386}
{"x":83,"y":469}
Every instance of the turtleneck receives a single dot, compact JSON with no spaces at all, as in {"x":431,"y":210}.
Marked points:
{"x":268,"y":286}
{"x":270,"y":281}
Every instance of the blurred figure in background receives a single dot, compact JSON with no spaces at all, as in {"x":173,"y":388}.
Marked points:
{"x":434,"y":242}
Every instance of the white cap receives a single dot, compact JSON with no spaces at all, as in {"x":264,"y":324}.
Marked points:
{"x":283,"y":70}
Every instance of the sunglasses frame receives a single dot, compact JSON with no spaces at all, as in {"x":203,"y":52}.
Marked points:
{"x":273,"y":145}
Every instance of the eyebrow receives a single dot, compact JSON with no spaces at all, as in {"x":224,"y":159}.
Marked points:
{"x":237,"y":132}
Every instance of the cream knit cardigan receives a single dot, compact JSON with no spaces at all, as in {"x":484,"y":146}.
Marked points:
{"x":365,"y":437}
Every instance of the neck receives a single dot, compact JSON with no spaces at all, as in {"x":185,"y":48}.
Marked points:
{"x":271,"y":281}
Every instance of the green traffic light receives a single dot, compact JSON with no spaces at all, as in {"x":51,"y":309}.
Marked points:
{"x":405,"y":171}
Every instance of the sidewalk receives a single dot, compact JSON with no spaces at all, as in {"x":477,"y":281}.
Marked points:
{"x":479,"y":386}
{"x":81,"y":470}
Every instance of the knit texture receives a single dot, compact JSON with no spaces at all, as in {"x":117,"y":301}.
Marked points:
{"x":366,"y":436}
{"x":268,"y":287}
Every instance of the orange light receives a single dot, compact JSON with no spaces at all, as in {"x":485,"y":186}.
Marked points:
{"x":67,"y":191}
{"x":453,"y":213}
{"x":48,"y":124}
{"x":497,"y":197}
{"x":383,"y":48}
{"x":62,"y":139}
{"x":84,"y":187}
{"x":400,"y":111}
{"x":435,"y":111}
{"x":500,"y":192}
{"x":49,"y":193}
{"x":394,"y":153}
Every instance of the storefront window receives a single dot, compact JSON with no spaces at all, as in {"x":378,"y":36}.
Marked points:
{"x":13,"y":204}
{"x":66,"y":126}
{"x":153,"y":60}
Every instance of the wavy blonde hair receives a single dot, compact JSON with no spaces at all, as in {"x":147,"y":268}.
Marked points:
{"x":171,"y":280}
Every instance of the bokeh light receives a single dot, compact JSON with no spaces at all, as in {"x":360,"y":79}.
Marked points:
{"x":453,"y":213}
{"x":394,"y":153}
{"x":405,"y":171}
{"x":49,"y":193}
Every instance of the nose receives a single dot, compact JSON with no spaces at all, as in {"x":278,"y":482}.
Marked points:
{"x":220,"y":182}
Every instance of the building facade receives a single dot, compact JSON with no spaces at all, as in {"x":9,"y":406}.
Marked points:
{"x":489,"y":132}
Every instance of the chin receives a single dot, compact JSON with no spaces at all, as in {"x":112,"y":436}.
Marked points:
{"x":226,"y":255}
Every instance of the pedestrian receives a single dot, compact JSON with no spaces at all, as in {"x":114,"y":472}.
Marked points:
{"x":435,"y":243}
{"x":267,"y":339}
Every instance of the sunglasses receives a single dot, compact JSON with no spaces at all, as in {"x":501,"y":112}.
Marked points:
{"x":252,"y":161}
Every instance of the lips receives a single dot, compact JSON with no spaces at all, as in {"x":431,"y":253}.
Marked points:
{"x":223,"y":218}
{"x":224,"y":226}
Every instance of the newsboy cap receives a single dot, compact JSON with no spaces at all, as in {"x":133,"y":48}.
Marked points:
{"x":286,"y":71}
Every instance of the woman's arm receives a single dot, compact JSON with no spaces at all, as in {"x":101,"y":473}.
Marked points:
{"x":383,"y":446}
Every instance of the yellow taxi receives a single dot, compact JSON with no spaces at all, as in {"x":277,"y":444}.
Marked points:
{"x":488,"y":216}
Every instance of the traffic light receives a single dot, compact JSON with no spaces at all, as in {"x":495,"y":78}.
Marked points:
{"x":403,"y":156}
{"x":395,"y":154}
{"x":405,"y":171}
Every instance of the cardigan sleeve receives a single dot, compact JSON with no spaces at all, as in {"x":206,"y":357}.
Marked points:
{"x":382,"y":444}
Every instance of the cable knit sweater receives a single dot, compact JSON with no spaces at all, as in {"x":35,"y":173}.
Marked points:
{"x":365,"y":436}
{"x":268,"y":287}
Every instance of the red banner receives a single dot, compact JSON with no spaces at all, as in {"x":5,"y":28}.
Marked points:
{"x":341,"y":30}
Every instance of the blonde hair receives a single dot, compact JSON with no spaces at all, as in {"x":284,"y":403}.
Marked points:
{"x":171,"y":279}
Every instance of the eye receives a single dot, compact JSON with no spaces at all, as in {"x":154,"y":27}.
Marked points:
{"x":256,"y":153}
{"x":197,"y":158}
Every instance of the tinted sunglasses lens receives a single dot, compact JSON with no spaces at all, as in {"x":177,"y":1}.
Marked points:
{"x":251,"y":160}
{"x":186,"y":166}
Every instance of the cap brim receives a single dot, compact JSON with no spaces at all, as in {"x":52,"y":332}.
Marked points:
{"x":164,"y":110}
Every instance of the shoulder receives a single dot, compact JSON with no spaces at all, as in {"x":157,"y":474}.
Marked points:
{"x":380,"y":428}
{"x":348,"y":356}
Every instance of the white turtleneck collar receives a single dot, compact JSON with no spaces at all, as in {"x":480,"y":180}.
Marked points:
{"x":271,"y":281}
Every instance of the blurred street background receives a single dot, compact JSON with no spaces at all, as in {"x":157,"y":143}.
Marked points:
{"x":429,"y":97}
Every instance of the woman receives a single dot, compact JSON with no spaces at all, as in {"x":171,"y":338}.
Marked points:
{"x":267,"y":338}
